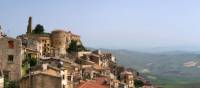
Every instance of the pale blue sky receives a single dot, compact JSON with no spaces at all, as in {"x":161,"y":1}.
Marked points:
{"x":129,"y":24}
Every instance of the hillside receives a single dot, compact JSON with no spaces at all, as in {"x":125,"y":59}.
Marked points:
{"x":172,"y":69}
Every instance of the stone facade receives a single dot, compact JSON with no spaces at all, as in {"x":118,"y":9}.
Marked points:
{"x":46,"y":76}
{"x":59,"y":42}
{"x":41,"y":81}
{"x":43,"y":43}
{"x":54,"y":43}
{"x":127,"y":78}
{"x":11,"y":56}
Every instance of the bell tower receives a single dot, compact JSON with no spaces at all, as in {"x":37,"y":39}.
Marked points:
{"x":29,"y":27}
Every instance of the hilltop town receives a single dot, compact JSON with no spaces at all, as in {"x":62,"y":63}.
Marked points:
{"x":37,"y":59}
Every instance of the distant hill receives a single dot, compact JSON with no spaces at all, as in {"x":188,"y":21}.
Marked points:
{"x":163,"y":68}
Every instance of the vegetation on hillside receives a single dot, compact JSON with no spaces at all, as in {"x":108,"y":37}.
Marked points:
{"x":165,"y":69}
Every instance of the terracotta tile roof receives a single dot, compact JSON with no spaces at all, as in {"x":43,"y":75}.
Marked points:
{"x":98,"y":83}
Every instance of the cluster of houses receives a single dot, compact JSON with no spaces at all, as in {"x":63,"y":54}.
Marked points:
{"x":41,"y":61}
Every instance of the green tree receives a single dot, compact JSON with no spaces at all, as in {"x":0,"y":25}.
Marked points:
{"x":33,"y":62}
{"x":39,"y":29}
{"x":72,"y":47}
{"x":27,"y":63}
{"x":75,"y":47}
{"x":138,"y":83}
{"x":10,"y":84}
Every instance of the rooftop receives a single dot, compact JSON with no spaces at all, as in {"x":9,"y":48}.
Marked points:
{"x":98,"y":83}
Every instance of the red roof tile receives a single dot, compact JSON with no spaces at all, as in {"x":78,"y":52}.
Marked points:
{"x":98,"y":83}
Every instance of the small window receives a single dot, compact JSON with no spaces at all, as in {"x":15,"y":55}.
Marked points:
{"x":6,"y":74}
{"x":11,"y":44}
{"x":10,"y":58}
{"x":69,"y":78}
{"x":45,"y":50}
{"x":63,"y":76}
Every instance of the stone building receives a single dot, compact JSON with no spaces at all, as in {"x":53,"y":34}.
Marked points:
{"x":59,"y":41}
{"x":46,"y":76}
{"x":73,"y":69}
{"x":52,"y":44}
{"x":110,"y":57}
{"x":11,"y":56}
{"x":55,"y":43}
{"x":127,"y":78}
{"x":114,"y":83}
{"x":43,"y":42}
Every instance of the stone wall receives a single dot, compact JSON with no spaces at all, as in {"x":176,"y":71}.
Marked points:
{"x":11,"y":56}
{"x":41,"y":81}
{"x":58,"y":39}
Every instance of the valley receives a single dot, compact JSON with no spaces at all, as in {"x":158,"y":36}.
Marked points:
{"x":172,"y":69}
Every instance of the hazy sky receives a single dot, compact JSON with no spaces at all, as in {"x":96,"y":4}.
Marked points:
{"x":128,"y":24}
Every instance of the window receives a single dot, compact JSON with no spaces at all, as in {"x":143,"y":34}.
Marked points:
{"x":10,"y":58}
{"x":45,"y":50}
{"x":11,"y":44}
{"x":124,"y":81}
{"x":69,"y":78}
{"x":63,"y":76}
{"x":6,"y":74}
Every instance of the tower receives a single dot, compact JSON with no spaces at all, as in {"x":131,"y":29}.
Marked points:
{"x":29,"y":28}
{"x":58,"y":38}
